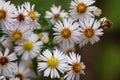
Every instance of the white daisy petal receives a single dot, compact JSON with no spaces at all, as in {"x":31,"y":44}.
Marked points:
{"x":67,"y":31}
{"x":55,"y":14}
{"x":90,"y":31}
{"x":51,"y":65}
{"x":75,"y":68}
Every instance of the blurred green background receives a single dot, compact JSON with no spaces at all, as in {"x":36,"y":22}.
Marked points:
{"x":103,"y":59}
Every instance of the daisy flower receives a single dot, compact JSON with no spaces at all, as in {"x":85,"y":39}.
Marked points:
{"x":21,"y":15}
{"x":6,"y":61}
{"x":75,"y":67}
{"x":34,"y":15}
{"x":51,"y":63}
{"x":20,"y":71}
{"x":18,"y":32}
{"x":55,"y":14}
{"x":67,"y":31}
{"x":30,"y":48}
{"x":6,"y":13}
{"x":90,"y":30}
{"x":80,"y":9}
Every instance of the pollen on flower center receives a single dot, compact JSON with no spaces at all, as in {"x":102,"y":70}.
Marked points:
{"x":66,"y":33}
{"x":16,"y":35}
{"x":21,"y":17}
{"x":20,"y":76}
{"x":89,"y":32}
{"x":81,"y":8}
{"x":2,"y":14}
{"x":32,"y":15}
{"x":53,"y":62}
{"x":28,"y":46}
{"x":56,"y":16}
{"x":3,"y":61}
{"x":76,"y":67}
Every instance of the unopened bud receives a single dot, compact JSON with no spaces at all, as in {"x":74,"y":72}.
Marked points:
{"x":97,"y":12}
{"x":107,"y":24}
{"x":38,"y":59}
{"x":45,"y":39}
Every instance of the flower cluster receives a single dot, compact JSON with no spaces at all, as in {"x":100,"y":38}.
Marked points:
{"x":29,"y":50}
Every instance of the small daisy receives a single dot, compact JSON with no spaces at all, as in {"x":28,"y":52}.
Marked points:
{"x":90,"y":31}
{"x":51,"y":63}
{"x":6,"y":61}
{"x":75,"y":67}
{"x":67,"y":31}
{"x":20,"y":71}
{"x":30,"y":48}
{"x":80,"y":9}
{"x":34,"y":15}
{"x":55,"y":14}
{"x":21,"y":15}
{"x":18,"y":32}
{"x":67,"y":48}
{"x":6,"y":13}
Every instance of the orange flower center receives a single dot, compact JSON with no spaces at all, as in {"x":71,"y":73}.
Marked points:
{"x":20,"y":76}
{"x":81,"y":8}
{"x":76,"y":67}
{"x":66,"y":33}
{"x":3,"y":61}
{"x":17,"y":35}
{"x":21,"y":17}
{"x":89,"y":32}
{"x":56,"y":16}
{"x":2,"y":14}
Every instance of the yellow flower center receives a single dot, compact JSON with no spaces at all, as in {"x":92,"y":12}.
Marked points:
{"x":3,"y":61}
{"x":28,"y":46}
{"x":2,"y":14}
{"x":21,"y":17}
{"x":17,"y":35}
{"x":56,"y":16}
{"x":66,"y":33}
{"x":32,"y":15}
{"x":89,"y":32}
{"x":81,"y":8}
{"x":53,"y":62}
{"x":76,"y":67}
{"x":20,"y":76}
